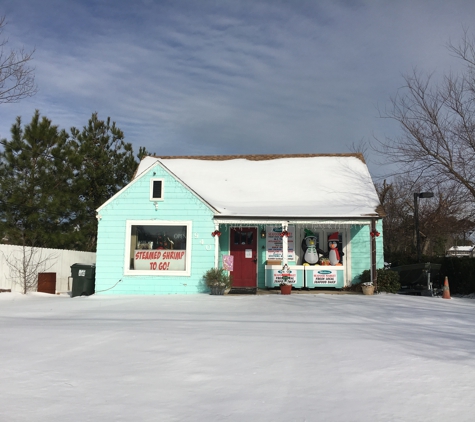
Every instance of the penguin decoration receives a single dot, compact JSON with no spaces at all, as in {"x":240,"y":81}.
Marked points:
{"x":309,"y":247}
{"x":333,"y":252}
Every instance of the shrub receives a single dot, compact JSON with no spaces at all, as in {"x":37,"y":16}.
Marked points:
{"x":461,"y":274}
{"x":388,"y":281}
{"x":217,"y":277}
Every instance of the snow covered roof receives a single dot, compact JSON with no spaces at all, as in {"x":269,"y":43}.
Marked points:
{"x":460,"y":251}
{"x":307,"y":185}
{"x":462,"y":248}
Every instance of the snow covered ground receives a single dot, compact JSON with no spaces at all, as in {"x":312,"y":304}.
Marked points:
{"x":236,"y":358}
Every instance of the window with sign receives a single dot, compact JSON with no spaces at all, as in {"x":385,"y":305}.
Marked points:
{"x":162,"y":248}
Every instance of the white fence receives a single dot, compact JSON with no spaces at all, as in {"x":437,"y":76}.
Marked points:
{"x":54,"y":261}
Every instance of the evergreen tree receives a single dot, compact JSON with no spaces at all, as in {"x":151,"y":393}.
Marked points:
{"x":104,"y":164}
{"x":52,"y":183}
{"x":35,"y":182}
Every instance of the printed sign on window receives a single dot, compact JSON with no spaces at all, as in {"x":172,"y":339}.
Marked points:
{"x":162,"y":260}
{"x":324,"y":277}
{"x":274,"y":243}
{"x":278,"y":278}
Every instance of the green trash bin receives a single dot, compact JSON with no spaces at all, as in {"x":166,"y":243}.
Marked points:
{"x":84,"y":279}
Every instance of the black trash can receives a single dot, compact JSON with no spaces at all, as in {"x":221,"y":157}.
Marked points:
{"x":84,"y":279}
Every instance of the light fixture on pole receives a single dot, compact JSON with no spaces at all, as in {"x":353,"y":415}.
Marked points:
{"x":416,"y":219}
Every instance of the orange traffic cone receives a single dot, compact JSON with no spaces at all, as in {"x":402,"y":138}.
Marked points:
{"x":446,"y":290}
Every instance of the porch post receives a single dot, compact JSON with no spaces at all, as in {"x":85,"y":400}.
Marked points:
{"x":374,"y":273}
{"x":216,"y":247}
{"x":285,"y":245}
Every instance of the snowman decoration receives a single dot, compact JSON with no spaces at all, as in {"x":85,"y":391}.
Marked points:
{"x":309,"y":245}
{"x":333,"y":254}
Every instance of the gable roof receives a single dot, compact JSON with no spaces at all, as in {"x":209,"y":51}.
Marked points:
{"x":294,"y":185}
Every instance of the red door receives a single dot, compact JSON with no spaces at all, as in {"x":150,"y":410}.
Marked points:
{"x":244,"y":250}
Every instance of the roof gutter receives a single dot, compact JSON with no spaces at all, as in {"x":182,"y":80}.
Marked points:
{"x":291,"y":220}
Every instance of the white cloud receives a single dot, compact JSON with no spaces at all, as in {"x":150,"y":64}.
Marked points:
{"x":228,"y":77}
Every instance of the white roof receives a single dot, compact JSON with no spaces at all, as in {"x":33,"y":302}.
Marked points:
{"x":324,"y":186}
{"x":461,"y":248}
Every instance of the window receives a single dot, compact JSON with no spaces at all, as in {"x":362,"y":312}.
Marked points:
{"x":340,"y":240}
{"x":243,"y":237}
{"x":158,"y":248}
{"x":156,"y":189}
{"x":322,"y":240}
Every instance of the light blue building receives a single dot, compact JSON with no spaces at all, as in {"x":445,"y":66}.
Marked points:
{"x":251,"y":214}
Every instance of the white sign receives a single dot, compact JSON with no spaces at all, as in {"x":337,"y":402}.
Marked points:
{"x":324,"y":277}
{"x":278,"y":277}
{"x":248,"y":253}
{"x":274,"y":243}
{"x":160,"y":259}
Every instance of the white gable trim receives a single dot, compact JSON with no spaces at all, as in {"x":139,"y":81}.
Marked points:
{"x":137,"y":178}
{"x":143,"y":174}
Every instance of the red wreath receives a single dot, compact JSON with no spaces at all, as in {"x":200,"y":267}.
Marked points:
{"x":216,"y":233}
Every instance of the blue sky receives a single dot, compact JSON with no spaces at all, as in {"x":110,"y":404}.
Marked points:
{"x":230,"y":77}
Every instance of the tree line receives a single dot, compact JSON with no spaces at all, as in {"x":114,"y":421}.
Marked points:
{"x":435,"y":152}
{"x":52,"y":181}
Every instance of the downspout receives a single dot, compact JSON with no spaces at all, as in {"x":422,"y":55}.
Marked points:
{"x":374,"y":273}
{"x":216,"y":247}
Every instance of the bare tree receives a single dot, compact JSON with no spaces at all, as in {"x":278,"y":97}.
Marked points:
{"x":17,"y":79}
{"x":443,"y":219}
{"x":25,"y":265}
{"x":437,"y":145}
{"x":360,"y":147}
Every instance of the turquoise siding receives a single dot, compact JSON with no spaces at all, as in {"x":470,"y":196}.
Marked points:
{"x":180,"y":204}
{"x":361,"y":250}
{"x":133,"y":203}
{"x":223,"y":243}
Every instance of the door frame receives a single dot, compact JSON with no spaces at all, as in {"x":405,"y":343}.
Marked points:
{"x":256,"y":251}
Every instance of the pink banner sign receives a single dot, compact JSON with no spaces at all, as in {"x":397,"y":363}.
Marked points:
{"x":228,"y":262}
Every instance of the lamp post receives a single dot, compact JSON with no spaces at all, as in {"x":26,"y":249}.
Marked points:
{"x":416,"y":219}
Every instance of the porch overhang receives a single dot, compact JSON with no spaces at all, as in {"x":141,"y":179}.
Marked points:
{"x":313,"y":221}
